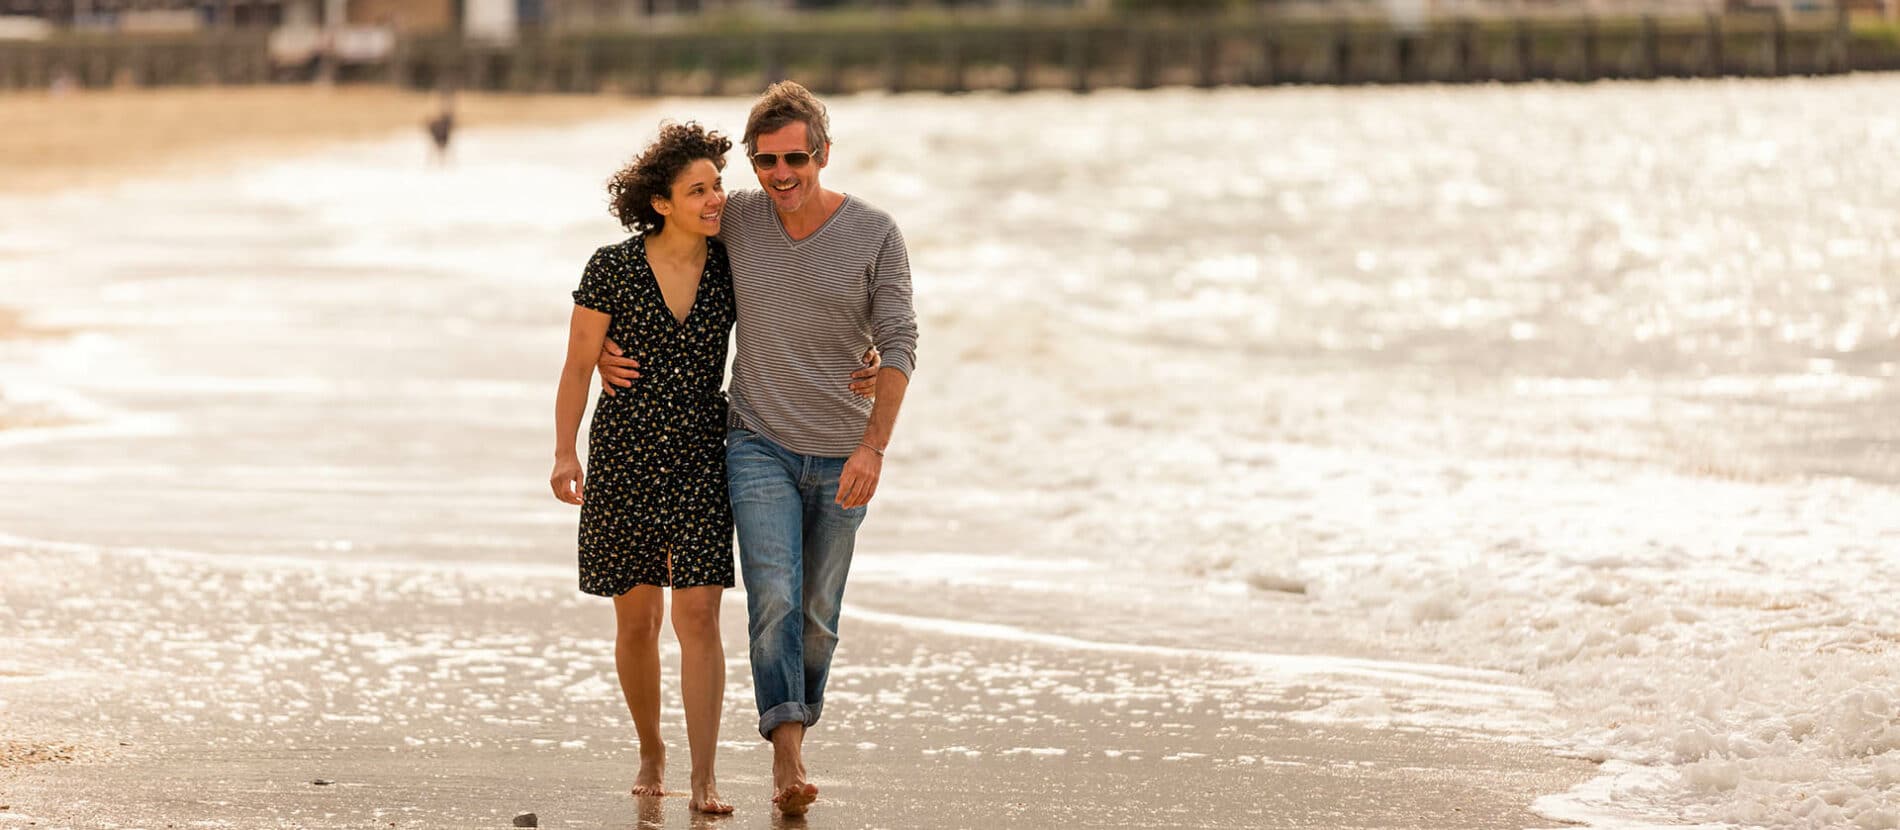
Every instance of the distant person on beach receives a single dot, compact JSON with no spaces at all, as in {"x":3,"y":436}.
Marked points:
{"x":818,"y":276}
{"x":441,"y":127}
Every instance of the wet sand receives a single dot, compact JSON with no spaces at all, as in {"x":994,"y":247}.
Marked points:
{"x":24,"y":753}
{"x":218,"y":689}
{"x":96,"y":138}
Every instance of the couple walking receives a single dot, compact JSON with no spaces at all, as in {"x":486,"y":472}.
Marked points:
{"x":814,"y":279}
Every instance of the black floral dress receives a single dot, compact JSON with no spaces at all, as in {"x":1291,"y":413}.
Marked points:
{"x":655,"y":509}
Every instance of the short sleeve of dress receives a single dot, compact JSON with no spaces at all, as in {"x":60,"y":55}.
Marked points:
{"x":597,"y":283}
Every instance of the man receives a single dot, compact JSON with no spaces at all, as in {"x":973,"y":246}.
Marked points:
{"x":818,"y":276}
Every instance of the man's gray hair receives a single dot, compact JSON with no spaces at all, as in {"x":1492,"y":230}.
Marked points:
{"x":787,"y":102}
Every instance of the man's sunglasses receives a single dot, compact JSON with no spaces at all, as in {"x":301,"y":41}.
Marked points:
{"x":767,"y":161}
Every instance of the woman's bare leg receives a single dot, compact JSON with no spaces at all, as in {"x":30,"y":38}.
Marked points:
{"x":702,"y":684}
{"x":638,"y":614}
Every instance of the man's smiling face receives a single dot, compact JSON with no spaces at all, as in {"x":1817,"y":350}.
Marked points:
{"x":790,"y":185}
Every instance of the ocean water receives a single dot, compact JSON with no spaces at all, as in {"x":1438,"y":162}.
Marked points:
{"x":1587,"y":389}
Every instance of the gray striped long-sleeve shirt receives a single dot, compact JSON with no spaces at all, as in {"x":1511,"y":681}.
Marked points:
{"x":807,"y":311}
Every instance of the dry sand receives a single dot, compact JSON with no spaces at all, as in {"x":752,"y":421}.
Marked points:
{"x":91,"y":138}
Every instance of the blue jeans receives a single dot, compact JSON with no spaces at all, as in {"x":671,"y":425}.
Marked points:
{"x":794,"y":552}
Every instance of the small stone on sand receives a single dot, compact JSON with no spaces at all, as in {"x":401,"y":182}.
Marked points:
{"x":527,"y":820}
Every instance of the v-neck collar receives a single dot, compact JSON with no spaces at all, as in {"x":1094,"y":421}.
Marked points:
{"x":699,"y":288}
{"x":779,"y":221}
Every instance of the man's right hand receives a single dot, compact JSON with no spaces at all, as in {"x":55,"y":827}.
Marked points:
{"x":616,"y":369}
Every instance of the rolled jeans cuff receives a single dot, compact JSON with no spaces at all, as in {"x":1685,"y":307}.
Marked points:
{"x":788,"y":712}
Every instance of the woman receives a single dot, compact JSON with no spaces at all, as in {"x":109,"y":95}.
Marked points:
{"x":654,"y":508}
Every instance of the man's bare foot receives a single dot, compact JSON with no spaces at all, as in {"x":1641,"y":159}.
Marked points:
{"x":648,"y":781}
{"x":794,"y":799}
{"x":794,"y":794}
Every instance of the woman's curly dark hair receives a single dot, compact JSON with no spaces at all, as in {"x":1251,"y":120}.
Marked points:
{"x":631,"y":191}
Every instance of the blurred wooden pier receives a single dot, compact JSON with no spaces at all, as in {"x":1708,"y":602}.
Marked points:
{"x":1257,"y":50}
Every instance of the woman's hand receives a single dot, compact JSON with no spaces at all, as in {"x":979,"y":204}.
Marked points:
{"x":864,"y":381}
{"x":567,"y":479}
{"x":586,"y":330}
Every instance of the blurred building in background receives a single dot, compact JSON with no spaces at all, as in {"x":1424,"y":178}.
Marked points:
{"x":187,"y":15}
{"x":150,"y":15}
{"x":490,"y":16}
{"x":179,"y":16}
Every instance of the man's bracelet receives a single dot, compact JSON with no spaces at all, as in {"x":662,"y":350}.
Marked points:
{"x":867,"y":445}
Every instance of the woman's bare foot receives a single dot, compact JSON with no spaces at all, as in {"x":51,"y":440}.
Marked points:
{"x":706,"y":800}
{"x":648,"y":781}
{"x":796,"y":798}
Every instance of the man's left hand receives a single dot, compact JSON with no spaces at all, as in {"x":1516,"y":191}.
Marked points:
{"x":859,"y":482}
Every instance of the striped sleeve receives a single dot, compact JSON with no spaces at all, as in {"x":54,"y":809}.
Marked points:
{"x":893,"y":318}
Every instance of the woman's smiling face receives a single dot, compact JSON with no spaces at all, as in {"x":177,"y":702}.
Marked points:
{"x":698,"y":201}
